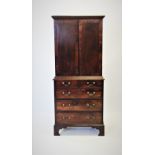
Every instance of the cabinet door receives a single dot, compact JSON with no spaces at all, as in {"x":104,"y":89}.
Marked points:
{"x":90,"y":46}
{"x":66,"y":47}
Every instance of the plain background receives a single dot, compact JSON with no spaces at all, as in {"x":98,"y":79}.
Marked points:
{"x":16,"y":77}
{"x":44,"y":143}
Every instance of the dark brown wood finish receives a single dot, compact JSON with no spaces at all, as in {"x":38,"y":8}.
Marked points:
{"x":78,"y":118}
{"x":82,"y":93}
{"x":86,"y":78}
{"x":78,"y":17}
{"x":66,"y":45}
{"x":79,"y":105}
{"x":78,"y":85}
{"x":64,"y":84}
{"x":89,"y":47}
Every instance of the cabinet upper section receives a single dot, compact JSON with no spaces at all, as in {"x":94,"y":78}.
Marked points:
{"x":78,"y":45}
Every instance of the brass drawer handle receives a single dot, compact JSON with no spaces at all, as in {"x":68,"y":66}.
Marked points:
{"x":88,"y":83}
{"x":91,"y":83}
{"x":90,"y":105}
{"x":91,"y":93}
{"x":66,"y":117}
{"x":87,"y":104}
{"x":63,"y":105}
{"x":66,"y":83}
{"x":91,"y":117}
{"x":67,"y":93}
{"x":93,"y":105}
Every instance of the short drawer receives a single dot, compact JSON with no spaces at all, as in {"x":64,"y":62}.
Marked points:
{"x":79,"y":105}
{"x":90,"y":83}
{"x":79,"y":118}
{"x":79,"y":93}
{"x":66,"y":84}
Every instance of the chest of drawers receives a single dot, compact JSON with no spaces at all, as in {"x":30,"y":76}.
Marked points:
{"x":78,"y":84}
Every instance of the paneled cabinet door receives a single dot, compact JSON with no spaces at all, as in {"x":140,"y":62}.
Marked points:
{"x":90,"y":46}
{"x":66,"y":46}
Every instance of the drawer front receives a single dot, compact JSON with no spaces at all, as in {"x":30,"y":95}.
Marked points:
{"x":66,"y":84}
{"x":79,"y":118}
{"x":79,"y":93}
{"x":78,"y":83}
{"x":90,"y":83}
{"x":79,"y":105}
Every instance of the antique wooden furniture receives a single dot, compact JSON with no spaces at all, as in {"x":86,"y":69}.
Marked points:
{"x":78,"y":84}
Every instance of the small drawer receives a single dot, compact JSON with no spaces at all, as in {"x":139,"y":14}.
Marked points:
{"x":90,"y":83}
{"x":79,"y":105}
{"x":66,"y":84}
{"x":79,"y":93}
{"x":79,"y":118}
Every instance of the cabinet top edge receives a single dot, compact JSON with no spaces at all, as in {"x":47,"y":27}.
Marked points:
{"x":78,"y":78}
{"x":78,"y":17}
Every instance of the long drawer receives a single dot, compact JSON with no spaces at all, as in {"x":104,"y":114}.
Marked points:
{"x":79,"y":105}
{"x":79,"y":118}
{"x":92,"y":93}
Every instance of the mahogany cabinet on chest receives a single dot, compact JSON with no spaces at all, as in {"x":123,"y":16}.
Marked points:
{"x":78,"y":84}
